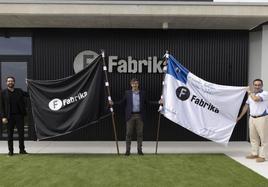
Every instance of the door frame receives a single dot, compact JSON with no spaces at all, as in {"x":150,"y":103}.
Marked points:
{"x":19,"y":58}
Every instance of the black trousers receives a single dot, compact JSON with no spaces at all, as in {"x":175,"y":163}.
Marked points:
{"x":18,"y":121}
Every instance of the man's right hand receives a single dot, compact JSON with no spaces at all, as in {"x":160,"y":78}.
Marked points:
{"x":4,"y":121}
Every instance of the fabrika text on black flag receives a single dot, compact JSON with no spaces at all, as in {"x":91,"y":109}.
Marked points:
{"x":64,"y":105}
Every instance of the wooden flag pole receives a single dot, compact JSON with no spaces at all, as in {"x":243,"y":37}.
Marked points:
{"x":109,"y":99}
{"x":160,"y":107}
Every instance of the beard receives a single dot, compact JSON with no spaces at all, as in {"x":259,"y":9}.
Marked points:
{"x":10,"y":85}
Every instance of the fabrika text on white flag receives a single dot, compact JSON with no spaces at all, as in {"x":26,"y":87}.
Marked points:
{"x":209,"y":110}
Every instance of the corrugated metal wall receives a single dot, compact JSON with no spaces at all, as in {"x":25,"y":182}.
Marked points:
{"x":216,"y":56}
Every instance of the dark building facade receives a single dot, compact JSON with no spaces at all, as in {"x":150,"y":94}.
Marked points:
{"x":218,"y":56}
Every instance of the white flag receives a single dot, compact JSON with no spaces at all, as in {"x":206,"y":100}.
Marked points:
{"x":209,"y":110}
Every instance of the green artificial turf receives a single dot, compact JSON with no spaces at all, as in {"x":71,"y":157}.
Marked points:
{"x":78,"y":170}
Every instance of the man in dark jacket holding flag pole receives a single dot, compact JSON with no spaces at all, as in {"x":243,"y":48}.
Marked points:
{"x":135,"y":112}
{"x":134,"y":101}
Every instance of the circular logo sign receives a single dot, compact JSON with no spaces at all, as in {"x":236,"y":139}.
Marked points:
{"x":55,"y":104}
{"x":83,"y":59}
{"x":183,"y":93}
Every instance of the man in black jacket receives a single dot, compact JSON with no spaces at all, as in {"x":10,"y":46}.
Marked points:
{"x":13,"y":112}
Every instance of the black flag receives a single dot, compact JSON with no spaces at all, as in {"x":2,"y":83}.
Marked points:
{"x":64,"y":105}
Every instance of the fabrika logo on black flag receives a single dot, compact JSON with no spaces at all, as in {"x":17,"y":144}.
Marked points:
{"x":64,"y":105}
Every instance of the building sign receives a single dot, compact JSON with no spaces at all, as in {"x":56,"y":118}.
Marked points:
{"x":152,"y":64}
{"x":83,"y":59}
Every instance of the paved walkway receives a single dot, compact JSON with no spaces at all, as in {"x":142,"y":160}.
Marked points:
{"x":235,"y":150}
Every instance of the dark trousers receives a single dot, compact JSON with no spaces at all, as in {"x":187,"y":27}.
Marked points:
{"x":135,"y":122}
{"x":18,"y":121}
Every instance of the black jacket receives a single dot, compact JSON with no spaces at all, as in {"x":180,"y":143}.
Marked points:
{"x":5,"y":103}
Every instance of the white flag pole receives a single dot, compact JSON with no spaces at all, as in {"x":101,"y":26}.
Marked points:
{"x":109,"y":98}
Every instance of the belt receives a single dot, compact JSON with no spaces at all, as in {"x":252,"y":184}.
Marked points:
{"x":135,"y":112}
{"x":259,"y":116}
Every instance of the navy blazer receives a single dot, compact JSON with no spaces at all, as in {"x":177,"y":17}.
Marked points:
{"x":128,"y":101}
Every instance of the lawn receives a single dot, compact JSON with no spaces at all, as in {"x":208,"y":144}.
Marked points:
{"x":79,"y":170}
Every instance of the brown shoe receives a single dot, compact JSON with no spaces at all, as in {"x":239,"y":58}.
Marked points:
{"x":260,"y":159}
{"x":252,"y":156}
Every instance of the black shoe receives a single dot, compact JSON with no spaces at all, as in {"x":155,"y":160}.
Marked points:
{"x":127,"y":153}
{"x":10,"y":153}
{"x":23,"y":152}
{"x":140,"y":153}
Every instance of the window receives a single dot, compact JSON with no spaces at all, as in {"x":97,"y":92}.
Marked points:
{"x":15,"y":45}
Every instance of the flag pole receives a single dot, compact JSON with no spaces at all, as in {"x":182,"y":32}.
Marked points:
{"x":109,"y":98}
{"x":161,"y":105}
